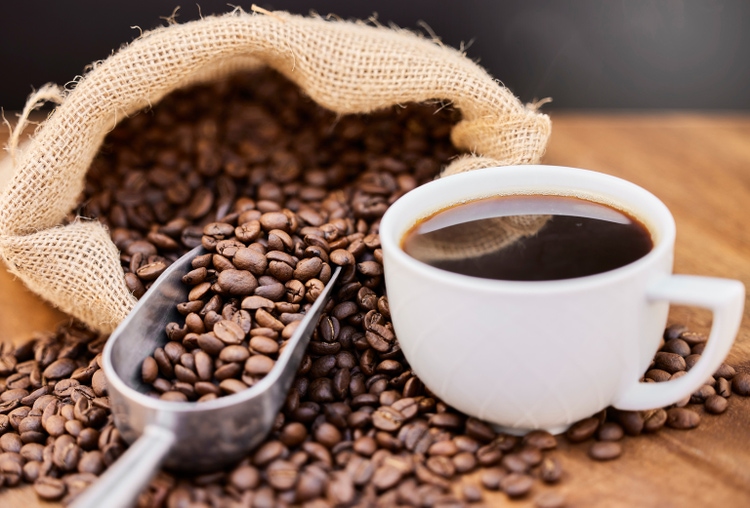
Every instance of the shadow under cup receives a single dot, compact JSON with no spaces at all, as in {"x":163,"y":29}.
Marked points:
{"x":544,"y":354}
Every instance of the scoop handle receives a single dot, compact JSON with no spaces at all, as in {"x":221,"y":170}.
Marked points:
{"x":121,"y":484}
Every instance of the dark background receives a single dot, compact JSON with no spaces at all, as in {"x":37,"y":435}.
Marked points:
{"x":675,"y":54}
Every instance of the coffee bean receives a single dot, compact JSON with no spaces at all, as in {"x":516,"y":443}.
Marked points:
{"x":611,"y":431}
{"x":516,"y":485}
{"x":670,"y":362}
{"x":386,"y":477}
{"x":514,"y":463}
{"x":532,"y":456}
{"x":471,"y":493}
{"x":725,"y":371}
{"x":741,"y":384}
{"x":327,"y":435}
{"x":658,"y":375}
{"x":681,"y":418}
{"x":49,"y":489}
{"x":677,"y":346}
{"x":258,"y":365}
{"x":91,"y":462}
{"x":631,"y":421}
{"x":229,"y":332}
{"x":464,"y":462}
{"x":387,"y":418}
{"x":491,"y":478}
{"x":702,"y":393}
{"x":605,"y":450}
{"x":716,"y":404}
{"x":209,"y":343}
{"x":441,"y":465}
{"x":151,"y":271}
{"x":340,"y":490}
{"x":723,"y":387}
{"x":582,"y":430}
{"x":550,"y":470}
{"x":244,"y":477}
{"x":282,"y":475}
{"x":59,"y":368}
{"x":237,"y":282}
{"x":540,"y":439}
{"x":311,"y":483}
{"x":447,"y":421}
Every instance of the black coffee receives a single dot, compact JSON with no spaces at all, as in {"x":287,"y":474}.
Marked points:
{"x":534,"y":237}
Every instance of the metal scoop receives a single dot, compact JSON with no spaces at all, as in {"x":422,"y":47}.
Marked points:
{"x":185,"y":436}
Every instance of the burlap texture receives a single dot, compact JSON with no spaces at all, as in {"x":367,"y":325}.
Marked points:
{"x":347,"y":67}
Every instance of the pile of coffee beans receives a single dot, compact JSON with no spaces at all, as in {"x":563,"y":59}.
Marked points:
{"x":276,"y":187}
{"x":56,"y":428}
{"x":248,"y":295}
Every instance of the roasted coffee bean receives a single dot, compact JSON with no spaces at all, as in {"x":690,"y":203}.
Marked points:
{"x":244,"y":477}
{"x":387,"y":418}
{"x":654,"y":420}
{"x":675,"y":331}
{"x":365,"y":446}
{"x":489,"y":455}
{"x":386,"y":477}
{"x":631,"y":421}
{"x":425,"y":475}
{"x":682,"y":418}
{"x":91,"y":462}
{"x":741,"y":384}
{"x":658,"y":375}
{"x":464,"y":462}
{"x":716,"y":404}
{"x":605,"y":450}
{"x":327,"y":435}
{"x":677,"y":346}
{"x":611,"y":431}
{"x":447,"y":421}
{"x":725,"y":371}
{"x":723,"y":387}
{"x":540,"y":439}
{"x":59,"y":368}
{"x":550,"y":470}
{"x":582,"y":430}
{"x":231,"y":386}
{"x":282,"y":475}
{"x":670,"y":362}
{"x":532,"y":456}
{"x":702,"y":393}
{"x":516,"y":485}
{"x":49,"y":489}
{"x":479,"y":430}
{"x":491,"y":478}
{"x":441,"y":465}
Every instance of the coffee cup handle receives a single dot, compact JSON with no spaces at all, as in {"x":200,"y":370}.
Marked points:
{"x":725,"y":298}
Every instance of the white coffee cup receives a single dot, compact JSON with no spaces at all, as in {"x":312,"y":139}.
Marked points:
{"x":545,"y":354}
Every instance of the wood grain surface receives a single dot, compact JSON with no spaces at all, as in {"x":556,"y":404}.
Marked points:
{"x":699,"y":165}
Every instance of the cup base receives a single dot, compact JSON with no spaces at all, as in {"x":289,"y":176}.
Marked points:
{"x":515,"y":431}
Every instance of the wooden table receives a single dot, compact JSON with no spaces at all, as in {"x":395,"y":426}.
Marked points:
{"x":699,"y":165}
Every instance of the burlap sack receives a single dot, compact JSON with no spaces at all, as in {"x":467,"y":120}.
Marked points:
{"x":346,"y":67}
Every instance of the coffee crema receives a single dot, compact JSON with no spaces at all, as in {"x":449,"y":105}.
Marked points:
{"x":528,"y":238}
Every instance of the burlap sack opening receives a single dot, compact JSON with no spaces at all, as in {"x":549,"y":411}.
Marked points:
{"x":347,"y":67}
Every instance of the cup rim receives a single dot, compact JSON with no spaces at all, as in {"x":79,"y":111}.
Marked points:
{"x":413,"y":206}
